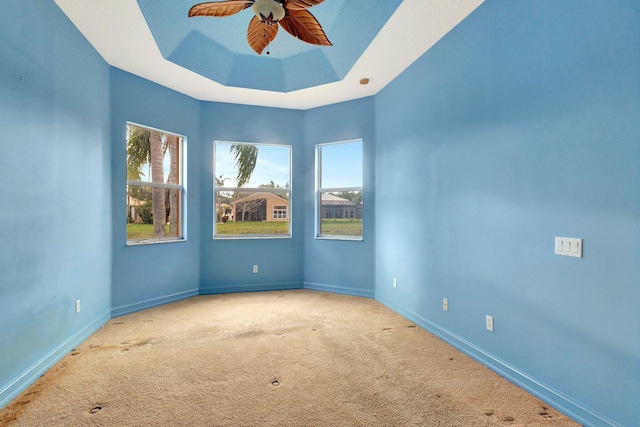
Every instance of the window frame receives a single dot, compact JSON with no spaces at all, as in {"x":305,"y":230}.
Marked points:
{"x":319,"y":191}
{"x":275,"y":191}
{"x":182,"y":187}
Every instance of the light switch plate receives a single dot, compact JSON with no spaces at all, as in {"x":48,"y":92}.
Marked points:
{"x":569,"y":246}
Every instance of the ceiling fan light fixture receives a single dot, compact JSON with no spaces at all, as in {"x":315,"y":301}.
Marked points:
{"x":268,"y":11}
{"x":291,"y":15}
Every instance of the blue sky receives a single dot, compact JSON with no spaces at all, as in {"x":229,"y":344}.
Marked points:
{"x":272,"y":165}
{"x":341,"y":165}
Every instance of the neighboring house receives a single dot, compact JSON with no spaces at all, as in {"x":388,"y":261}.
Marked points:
{"x":223,"y":210}
{"x":262,"y":206}
{"x":338,"y":207}
{"x":132,"y":205}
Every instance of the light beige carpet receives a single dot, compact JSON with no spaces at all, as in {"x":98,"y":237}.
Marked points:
{"x":290,"y":358}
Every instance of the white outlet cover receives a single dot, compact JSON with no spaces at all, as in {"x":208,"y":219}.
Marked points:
{"x":489,"y":321}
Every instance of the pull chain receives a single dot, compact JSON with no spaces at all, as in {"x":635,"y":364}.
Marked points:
{"x":268,"y":43}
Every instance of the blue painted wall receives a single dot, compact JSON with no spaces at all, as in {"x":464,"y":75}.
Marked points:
{"x":55,"y":230}
{"x":148,"y":275}
{"x":226,"y":264}
{"x":335,"y":265}
{"x":520,"y":125}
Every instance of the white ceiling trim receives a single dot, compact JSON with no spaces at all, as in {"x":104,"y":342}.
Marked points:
{"x":118,"y":31}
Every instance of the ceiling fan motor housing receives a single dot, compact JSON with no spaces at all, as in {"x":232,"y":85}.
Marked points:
{"x":268,"y":11}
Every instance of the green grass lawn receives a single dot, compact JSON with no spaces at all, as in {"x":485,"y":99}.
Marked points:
{"x":252,"y":227}
{"x":140,"y":231}
{"x":341,"y":227}
{"x":332,"y":227}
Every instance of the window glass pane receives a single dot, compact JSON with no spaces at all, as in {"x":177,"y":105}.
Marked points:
{"x":252,"y":189}
{"x":140,"y":213}
{"x":152,"y":155}
{"x":252,"y":213}
{"x":339,"y":199}
{"x":154,"y":211}
{"x":341,"y":213}
{"x":341,"y":165}
{"x":272,"y":168}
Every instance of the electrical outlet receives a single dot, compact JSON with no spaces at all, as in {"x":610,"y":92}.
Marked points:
{"x":489,"y":321}
{"x":77,"y":306}
{"x":395,"y":282}
{"x":445,"y":304}
{"x":255,"y":268}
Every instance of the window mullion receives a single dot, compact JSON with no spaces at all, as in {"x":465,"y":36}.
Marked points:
{"x":254,"y":190}
{"x":155,"y":184}
{"x":340,"y":189}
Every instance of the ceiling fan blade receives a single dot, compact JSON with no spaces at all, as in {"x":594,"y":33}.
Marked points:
{"x":301,"y":4}
{"x":260,"y":35}
{"x":304,"y":26}
{"x":219,"y":8}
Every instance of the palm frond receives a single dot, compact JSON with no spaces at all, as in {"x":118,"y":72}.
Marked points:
{"x":246,"y":157}
{"x":138,"y":152}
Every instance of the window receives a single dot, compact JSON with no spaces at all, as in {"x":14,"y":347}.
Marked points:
{"x":155,"y":192}
{"x":252,"y":190}
{"x":339,"y":197}
{"x":280,"y":212}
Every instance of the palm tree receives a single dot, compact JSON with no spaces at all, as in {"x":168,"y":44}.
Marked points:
{"x":157,"y":175}
{"x":146,"y":146}
{"x":138,"y":151}
{"x":174,"y":211}
{"x":246,"y":157}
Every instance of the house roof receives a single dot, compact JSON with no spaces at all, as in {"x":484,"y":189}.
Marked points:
{"x":261,"y":195}
{"x":335,"y":200}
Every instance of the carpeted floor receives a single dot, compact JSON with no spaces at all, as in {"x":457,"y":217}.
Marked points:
{"x":289,"y":358}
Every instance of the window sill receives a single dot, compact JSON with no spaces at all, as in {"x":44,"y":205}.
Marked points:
{"x":251,"y":236}
{"x":142,"y":242}
{"x":345,"y":238}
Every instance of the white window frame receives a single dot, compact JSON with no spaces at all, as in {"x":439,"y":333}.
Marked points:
{"x":182,"y":187}
{"x":321,"y":190}
{"x":276,"y":191}
{"x":280,"y":212}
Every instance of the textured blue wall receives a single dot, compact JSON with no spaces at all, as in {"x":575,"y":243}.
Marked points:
{"x":148,"y":275}
{"x":55,"y":239}
{"x":226,"y":264}
{"x":335,"y":265}
{"x":520,"y":125}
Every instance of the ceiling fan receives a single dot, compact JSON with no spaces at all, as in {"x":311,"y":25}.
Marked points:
{"x":292,"y":15}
